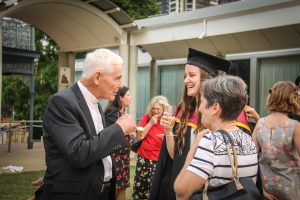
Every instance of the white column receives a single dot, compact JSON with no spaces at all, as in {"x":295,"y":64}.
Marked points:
{"x":182,"y":6}
{"x":124,"y":53}
{"x":133,"y":69}
{"x":1,"y":64}
{"x":66,"y":66}
{"x":253,"y":83}
{"x":153,"y":78}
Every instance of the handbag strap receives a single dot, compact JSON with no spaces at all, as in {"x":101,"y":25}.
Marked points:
{"x":233,"y":163}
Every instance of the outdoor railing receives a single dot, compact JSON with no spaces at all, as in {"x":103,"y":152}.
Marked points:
{"x":17,"y":131}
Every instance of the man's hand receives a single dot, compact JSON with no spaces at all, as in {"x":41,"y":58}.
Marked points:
{"x":38,"y":182}
{"x":127,"y":123}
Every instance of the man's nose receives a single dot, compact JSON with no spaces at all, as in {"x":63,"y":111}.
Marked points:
{"x":121,"y":84}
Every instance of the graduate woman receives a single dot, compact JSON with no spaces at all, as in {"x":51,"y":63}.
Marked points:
{"x":176,"y":145}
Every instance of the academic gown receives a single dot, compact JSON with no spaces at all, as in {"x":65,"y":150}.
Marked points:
{"x":167,"y":169}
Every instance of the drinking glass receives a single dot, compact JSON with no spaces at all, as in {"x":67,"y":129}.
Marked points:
{"x":171,"y":118}
{"x":139,"y":132}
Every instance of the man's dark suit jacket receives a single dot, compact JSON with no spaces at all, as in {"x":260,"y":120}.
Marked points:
{"x":74,"y":151}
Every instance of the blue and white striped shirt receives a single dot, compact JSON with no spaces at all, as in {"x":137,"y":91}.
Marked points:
{"x":211,"y":158}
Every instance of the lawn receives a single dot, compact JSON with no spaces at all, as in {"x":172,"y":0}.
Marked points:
{"x":18,"y":186}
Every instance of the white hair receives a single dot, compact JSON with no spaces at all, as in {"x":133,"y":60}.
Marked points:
{"x":100,"y":59}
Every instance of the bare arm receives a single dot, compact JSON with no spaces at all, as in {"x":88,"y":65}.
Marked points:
{"x":251,"y":112}
{"x":151,"y":122}
{"x":170,"y":145}
{"x":255,"y":140}
{"x":168,"y":126}
{"x":297,"y":137}
{"x":267,"y":195}
{"x":186,"y":177}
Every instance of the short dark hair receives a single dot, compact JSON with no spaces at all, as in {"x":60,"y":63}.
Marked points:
{"x":230,"y":92}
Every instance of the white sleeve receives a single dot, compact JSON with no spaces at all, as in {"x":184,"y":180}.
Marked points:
{"x":203,"y":161}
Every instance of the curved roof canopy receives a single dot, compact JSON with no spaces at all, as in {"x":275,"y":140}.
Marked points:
{"x":75,"y":25}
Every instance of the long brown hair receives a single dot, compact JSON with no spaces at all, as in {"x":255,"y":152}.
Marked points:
{"x":188,"y":106}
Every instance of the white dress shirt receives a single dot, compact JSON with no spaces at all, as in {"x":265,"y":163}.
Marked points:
{"x":92,"y":103}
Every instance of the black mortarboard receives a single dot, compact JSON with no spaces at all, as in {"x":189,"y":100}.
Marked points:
{"x":209,"y":63}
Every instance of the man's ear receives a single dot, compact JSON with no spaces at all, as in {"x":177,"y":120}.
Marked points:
{"x":97,"y":77}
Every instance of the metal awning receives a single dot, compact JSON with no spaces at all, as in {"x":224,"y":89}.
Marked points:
{"x":237,"y":27}
{"x":114,"y":12}
{"x":75,"y":25}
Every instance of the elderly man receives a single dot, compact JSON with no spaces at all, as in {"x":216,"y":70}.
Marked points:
{"x":77,"y":143}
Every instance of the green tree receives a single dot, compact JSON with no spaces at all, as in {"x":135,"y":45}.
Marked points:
{"x":15,"y":98}
{"x":138,"y":9}
{"x":16,"y":94}
{"x":46,"y":70}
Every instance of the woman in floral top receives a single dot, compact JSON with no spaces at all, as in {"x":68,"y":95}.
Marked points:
{"x":122,"y":157}
{"x":278,"y":137}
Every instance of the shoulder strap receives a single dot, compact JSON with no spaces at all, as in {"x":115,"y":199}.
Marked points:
{"x":233,"y":162}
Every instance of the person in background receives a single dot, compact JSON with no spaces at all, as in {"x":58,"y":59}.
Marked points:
{"x":251,"y":113}
{"x":200,"y":66}
{"x":148,"y":152}
{"x":296,"y":116}
{"x":113,"y":111}
{"x":77,"y":143}
{"x":222,"y":100}
{"x":278,"y":138}
{"x":297,"y":81}
{"x":244,"y":121}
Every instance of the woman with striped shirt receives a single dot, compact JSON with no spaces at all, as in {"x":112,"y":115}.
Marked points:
{"x":222,"y":100}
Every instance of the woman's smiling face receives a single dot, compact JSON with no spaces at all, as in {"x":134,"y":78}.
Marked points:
{"x":192,"y":79}
{"x":157,"y":109}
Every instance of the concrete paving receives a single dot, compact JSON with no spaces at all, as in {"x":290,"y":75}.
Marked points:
{"x":29,"y":159}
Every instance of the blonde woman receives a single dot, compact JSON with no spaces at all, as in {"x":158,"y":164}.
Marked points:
{"x":149,"y":150}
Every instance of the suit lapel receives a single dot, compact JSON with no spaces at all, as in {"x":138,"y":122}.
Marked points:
{"x":102,"y":115}
{"x":84,"y":107}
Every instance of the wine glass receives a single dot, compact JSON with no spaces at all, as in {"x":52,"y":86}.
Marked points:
{"x":171,"y":118}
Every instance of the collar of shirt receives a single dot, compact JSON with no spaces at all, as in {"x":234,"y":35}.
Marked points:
{"x":88,"y":96}
{"x":92,"y":103}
